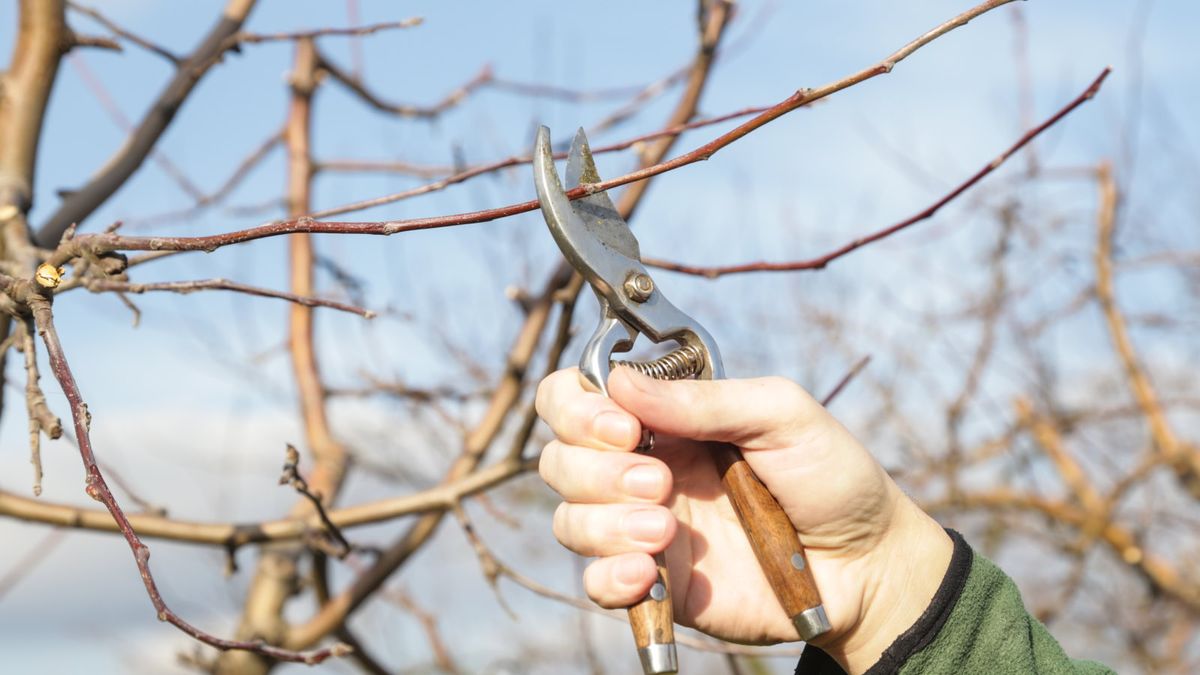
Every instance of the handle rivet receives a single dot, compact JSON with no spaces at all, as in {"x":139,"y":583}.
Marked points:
{"x":639,"y":287}
{"x":798,"y":561}
{"x":658,"y":591}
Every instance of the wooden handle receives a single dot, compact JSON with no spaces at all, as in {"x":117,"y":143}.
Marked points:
{"x":774,"y":540}
{"x":652,"y":620}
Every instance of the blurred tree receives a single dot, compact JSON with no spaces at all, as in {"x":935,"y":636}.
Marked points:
{"x":1067,"y":458}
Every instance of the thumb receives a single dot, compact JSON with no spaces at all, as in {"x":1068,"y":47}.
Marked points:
{"x":761,"y":413}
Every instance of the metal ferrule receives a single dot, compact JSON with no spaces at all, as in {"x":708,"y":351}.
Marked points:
{"x":658,"y":659}
{"x":811,"y":623}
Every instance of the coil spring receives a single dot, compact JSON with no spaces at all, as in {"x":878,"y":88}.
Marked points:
{"x":685,"y":362}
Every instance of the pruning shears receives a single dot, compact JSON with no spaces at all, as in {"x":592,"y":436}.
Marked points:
{"x":597,"y":241}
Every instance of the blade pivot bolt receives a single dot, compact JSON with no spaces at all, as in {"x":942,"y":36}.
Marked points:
{"x":639,"y":287}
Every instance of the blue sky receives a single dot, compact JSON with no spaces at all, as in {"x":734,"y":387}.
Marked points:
{"x":178,"y":411}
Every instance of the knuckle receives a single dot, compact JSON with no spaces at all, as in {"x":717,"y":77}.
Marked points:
{"x":781,"y":386}
{"x":548,"y":462}
{"x":577,"y":415}
{"x":599,"y":584}
{"x":541,"y":398}
{"x":551,"y":389}
{"x":559,"y":523}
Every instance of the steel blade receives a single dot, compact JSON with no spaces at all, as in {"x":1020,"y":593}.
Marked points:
{"x":597,"y":210}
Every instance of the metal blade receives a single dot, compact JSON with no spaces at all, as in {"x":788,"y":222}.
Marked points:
{"x":597,"y":210}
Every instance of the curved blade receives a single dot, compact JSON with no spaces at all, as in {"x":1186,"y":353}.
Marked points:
{"x":597,"y":210}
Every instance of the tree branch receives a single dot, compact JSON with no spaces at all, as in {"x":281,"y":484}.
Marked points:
{"x":112,"y":242}
{"x":359,"y":89}
{"x":565,"y":285}
{"x":1122,"y":541}
{"x":38,"y":302}
{"x":297,"y":36}
{"x":1184,"y":460}
{"x":80,"y":203}
{"x":184,"y":287}
{"x":120,"y":32}
{"x":41,"y":419}
{"x":205,"y":200}
{"x":823,"y":261}
{"x":291,"y":529}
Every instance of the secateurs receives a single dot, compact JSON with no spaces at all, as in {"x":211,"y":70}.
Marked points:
{"x":597,"y":241}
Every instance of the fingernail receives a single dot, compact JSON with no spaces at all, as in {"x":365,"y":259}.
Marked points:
{"x":629,"y":570}
{"x":646,"y":525}
{"x":613,"y":428}
{"x":644,"y":481}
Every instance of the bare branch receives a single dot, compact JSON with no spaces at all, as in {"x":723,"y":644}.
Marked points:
{"x":564,"y":287}
{"x":100,"y":92}
{"x":41,"y":419}
{"x":441,"y":655}
{"x":83,"y":201}
{"x":204,"y":201}
{"x":24,"y":91}
{"x":846,"y":379}
{"x":94,"y":42}
{"x":1183,"y":459}
{"x":358,"y":88}
{"x":97,"y":488}
{"x":235,"y":535}
{"x":108,"y":242}
{"x":1121,"y":540}
{"x":291,"y":476}
{"x":369,"y":166}
{"x":823,"y":261}
{"x":30,"y":561}
{"x":184,"y":287}
{"x":352,"y":31}
{"x":120,"y":32}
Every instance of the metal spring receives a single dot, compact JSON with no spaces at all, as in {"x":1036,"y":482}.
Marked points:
{"x":685,"y":362}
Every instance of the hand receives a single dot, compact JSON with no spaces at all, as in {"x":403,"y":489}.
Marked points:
{"x":876,"y":557}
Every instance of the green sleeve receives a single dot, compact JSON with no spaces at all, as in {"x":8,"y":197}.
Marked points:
{"x":976,"y":623}
{"x":989,"y":631}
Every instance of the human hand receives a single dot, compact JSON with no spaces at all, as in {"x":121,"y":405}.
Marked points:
{"x":876,"y":557}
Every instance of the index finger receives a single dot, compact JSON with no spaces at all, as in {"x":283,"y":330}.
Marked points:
{"x":584,"y":417}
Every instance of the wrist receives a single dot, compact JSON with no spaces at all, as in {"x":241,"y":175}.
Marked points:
{"x":900,"y":578}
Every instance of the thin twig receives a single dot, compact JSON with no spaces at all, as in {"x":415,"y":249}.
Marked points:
{"x":846,"y":379}
{"x":441,"y":655}
{"x":205,"y":201}
{"x":359,"y":88}
{"x":235,"y":535}
{"x":97,"y":488}
{"x":563,"y":288}
{"x":351,"y":31}
{"x":114,"y":112}
{"x":80,"y":203}
{"x":94,"y":42}
{"x":823,"y":261}
{"x":379,"y":166}
{"x":41,"y":419}
{"x":185,"y":287}
{"x":494,"y":570}
{"x":103,"y":242}
{"x":291,"y":476}
{"x":1123,"y":541}
{"x":30,"y":561}
{"x":125,"y":34}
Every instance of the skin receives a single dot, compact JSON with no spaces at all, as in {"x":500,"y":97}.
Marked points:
{"x":876,"y":557}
